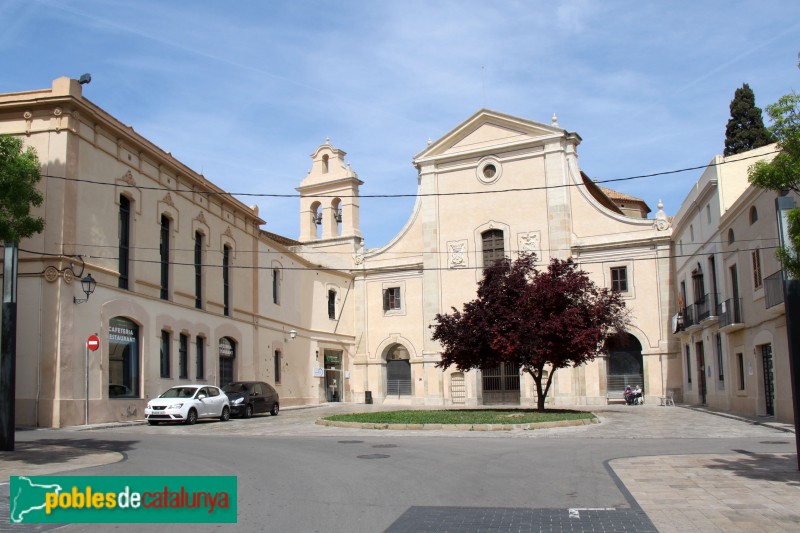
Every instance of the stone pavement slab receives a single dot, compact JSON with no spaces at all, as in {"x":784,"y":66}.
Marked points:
{"x":744,"y":492}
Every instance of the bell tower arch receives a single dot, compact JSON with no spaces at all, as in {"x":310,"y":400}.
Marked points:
{"x":329,"y":199}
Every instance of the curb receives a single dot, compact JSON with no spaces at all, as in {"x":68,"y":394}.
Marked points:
{"x":459,"y":427}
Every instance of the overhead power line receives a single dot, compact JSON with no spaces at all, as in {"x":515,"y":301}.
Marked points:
{"x":463,"y":193}
{"x":402,"y":268}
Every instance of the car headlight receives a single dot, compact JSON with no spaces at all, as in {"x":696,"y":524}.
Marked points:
{"x":237,"y":401}
{"x":175,"y":406}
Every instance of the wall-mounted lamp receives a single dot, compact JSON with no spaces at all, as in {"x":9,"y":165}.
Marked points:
{"x":292,"y":333}
{"x":88,"y":284}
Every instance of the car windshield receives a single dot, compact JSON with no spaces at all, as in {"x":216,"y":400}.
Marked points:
{"x":235,"y":387}
{"x":179,"y":392}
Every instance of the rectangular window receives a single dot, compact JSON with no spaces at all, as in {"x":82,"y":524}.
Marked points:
{"x":391,"y":298}
{"x":757,"y":281}
{"x":226,"y":259}
{"x":164,"y":257}
{"x":124,"y":241}
{"x":493,"y":247}
{"x":198,"y":270}
{"x":165,"y":354}
{"x":276,"y":286}
{"x":200,"y":362}
{"x":619,"y":279}
{"x":740,"y":365}
{"x":688,"y":366}
{"x":277,"y":366}
{"x":332,"y":304}
{"x":720,"y":358}
{"x":183,"y":357}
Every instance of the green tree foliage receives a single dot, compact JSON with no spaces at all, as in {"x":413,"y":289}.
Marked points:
{"x":19,"y":174}
{"x":533,"y":319}
{"x":782,"y":174}
{"x":745,"y":130}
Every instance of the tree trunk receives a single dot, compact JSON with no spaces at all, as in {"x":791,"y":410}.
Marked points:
{"x":541,"y":395}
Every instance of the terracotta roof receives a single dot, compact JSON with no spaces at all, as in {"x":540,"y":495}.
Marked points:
{"x":280,"y":239}
{"x":616,"y":195}
{"x":595,"y":190}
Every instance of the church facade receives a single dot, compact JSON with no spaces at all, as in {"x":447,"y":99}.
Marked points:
{"x":497,"y":185}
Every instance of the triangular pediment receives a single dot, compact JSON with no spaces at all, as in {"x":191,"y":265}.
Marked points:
{"x":488,"y":130}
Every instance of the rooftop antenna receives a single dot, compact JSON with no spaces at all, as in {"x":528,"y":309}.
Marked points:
{"x":85,"y":78}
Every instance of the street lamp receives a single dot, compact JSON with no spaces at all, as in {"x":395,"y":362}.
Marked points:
{"x":88,"y":285}
{"x":791,"y":302}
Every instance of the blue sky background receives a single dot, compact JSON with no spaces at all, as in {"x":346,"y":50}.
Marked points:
{"x":245,"y":91}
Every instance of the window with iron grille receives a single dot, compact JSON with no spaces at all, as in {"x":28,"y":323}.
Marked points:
{"x":493,"y":247}
{"x":391,"y":299}
{"x":332,"y":304}
{"x":165,"y":355}
{"x":619,"y":279}
{"x":164,"y":257}
{"x":757,"y":280}
{"x":688,"y":366}
{"x":198,"y":270}
{"x":183,"y":357}
{"x":226,"y":290}
{"x":277,"y":366}
{"x":740,"y":364}
{"x":200,"y":354}
{"x":124,"y":241}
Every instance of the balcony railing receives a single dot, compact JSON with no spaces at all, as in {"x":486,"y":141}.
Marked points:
{"x":688,"y":315}
{"x":705,"y":306}
{"x":773,"y":290}
{"x":730,"y":312}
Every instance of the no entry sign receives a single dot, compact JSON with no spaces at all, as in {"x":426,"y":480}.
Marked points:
{"x":93,"y":342}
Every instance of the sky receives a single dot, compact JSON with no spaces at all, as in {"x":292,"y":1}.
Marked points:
{"x":245,"y":91}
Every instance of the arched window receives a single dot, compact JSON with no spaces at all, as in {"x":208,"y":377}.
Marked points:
{"x":493,"y":247}
{"x":123,"y":358}
{"x":753,"y":215}
{"x":332,"y":304}
{"x":124,"y":241}
{"x":198,"y":270}
{"x":227,"y":354}
{"x":226,"y":280}
{"x":336,"y":207}
{"x":731,"y":237}
{"x":325,"y":164}
{"x":165,"y":223}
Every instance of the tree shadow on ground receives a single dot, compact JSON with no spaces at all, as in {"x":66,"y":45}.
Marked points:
{"x":50,"y":451}
{"x":780,"y":467}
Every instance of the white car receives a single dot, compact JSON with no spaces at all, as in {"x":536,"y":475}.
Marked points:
{"x":187,"y":403}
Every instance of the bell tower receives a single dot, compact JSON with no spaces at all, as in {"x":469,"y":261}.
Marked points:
{"x":329,"y":200}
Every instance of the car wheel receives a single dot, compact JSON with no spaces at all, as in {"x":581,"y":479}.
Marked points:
{"x":153,"y":422}
{"x":191,"y":418}
{"x":275,"y":409}
{"x":226,"y":414}
{"x":248,"y":411}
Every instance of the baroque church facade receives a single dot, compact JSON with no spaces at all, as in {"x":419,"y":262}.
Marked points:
{"x":494,"y":186}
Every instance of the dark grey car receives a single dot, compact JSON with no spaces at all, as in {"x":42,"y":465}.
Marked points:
{"x":250,"y":397}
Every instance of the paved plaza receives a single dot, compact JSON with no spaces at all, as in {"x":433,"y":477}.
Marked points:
{"x":754,"y":489}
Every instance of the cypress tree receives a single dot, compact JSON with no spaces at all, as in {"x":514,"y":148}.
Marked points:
{"x":745,"y":130}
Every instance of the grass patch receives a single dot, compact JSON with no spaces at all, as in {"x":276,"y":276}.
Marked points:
{"x":463,"y":416}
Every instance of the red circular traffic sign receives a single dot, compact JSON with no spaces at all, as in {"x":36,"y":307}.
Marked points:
{"x":93,"y":342}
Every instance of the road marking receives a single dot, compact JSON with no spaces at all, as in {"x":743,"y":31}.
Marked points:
{"x":574,"y":512}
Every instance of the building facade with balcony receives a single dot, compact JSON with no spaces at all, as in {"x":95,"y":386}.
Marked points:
{"x":730,"y":320}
